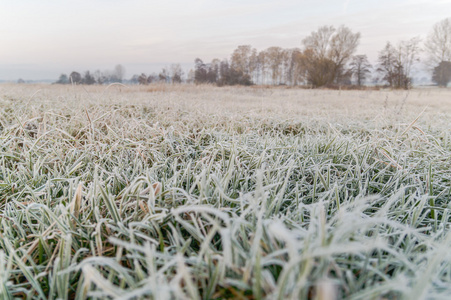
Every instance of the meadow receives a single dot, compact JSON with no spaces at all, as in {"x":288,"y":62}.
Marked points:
{"x":199,"y":192}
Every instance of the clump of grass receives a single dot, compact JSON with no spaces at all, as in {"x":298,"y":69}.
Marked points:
{"x":209,"y":193}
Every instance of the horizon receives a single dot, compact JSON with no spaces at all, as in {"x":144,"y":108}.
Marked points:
{"x":144,"y":37}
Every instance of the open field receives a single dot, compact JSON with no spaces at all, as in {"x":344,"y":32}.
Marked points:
{"x":185,"y":192}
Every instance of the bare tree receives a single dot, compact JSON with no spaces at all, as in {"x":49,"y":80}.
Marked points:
{"x":329,"y":49}
{"x":262,"y":67}
{"x":409,"y":54}
{"x":395,"y":64}
{"x":254,"y":65}
{"x":240,"y":59}
{"x":390,"y":67}
{"x":297,"y":68}
{"x":438,"y":43}
{"x":274,"y":58}
{"x":343,"y":45}
{"x":318,"y":42}
{"x":387,"y":61}
{"x":360,"y":68}
{"x":318,"y":70}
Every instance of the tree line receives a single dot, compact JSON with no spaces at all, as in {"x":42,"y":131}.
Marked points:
{"x":327,"y":58}
{"x":96,"y":77}
{"x":173,"y":74}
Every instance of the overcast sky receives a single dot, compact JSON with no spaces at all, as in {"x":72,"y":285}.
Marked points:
{"x":42,"y":39}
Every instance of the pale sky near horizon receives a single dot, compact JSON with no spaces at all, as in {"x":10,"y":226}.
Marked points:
{"x":42,"y":39}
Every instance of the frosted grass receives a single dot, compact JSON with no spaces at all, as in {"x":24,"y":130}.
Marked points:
{"x":210,"y":193}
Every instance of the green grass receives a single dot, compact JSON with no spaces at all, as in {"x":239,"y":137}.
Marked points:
{"x":263,"y":193}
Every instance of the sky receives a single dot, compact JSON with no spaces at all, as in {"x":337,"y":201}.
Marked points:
{"x":42,"y":39}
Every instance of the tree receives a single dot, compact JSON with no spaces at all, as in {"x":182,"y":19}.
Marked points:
{"x":75,"y":77}
{"x":119,"y":73}
{"x":318,"y":42}
{"x":142,"y":79}
{"x":134,"y":79}
{"x":231,"y":76}
{"x":163,"y":76}
{"x":254,"y":65}
{"x":390,"y":67}
{"x":262,"y":67}
{"x":88,"y":78}
{"x":200,"y":71}
{"x":395,"y":64}
{"x":360,"y":68}
{"x":99,"y":77}
{"x":190,"y":76}
{"x":343,"y":45}
{"x":63,"y":79}
{"x":318,"y":70}
{"x":275,"y":58}
{"x":442,"y":73}
{"x":224,"y":73}
{"x":329,"y":49}
{"x":438,"y":43}
{"x":297,"y":70}
{"x":152,"y":78}
{"x":409,"y":54}
{"x":213,"y":71}
{"x":176,"y":73}
{"x":240,"y":60}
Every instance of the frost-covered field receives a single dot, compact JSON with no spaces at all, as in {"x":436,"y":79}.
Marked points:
{"x":184,"y":192}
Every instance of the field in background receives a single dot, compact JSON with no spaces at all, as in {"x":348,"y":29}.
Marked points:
{"x":203,"y":192}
